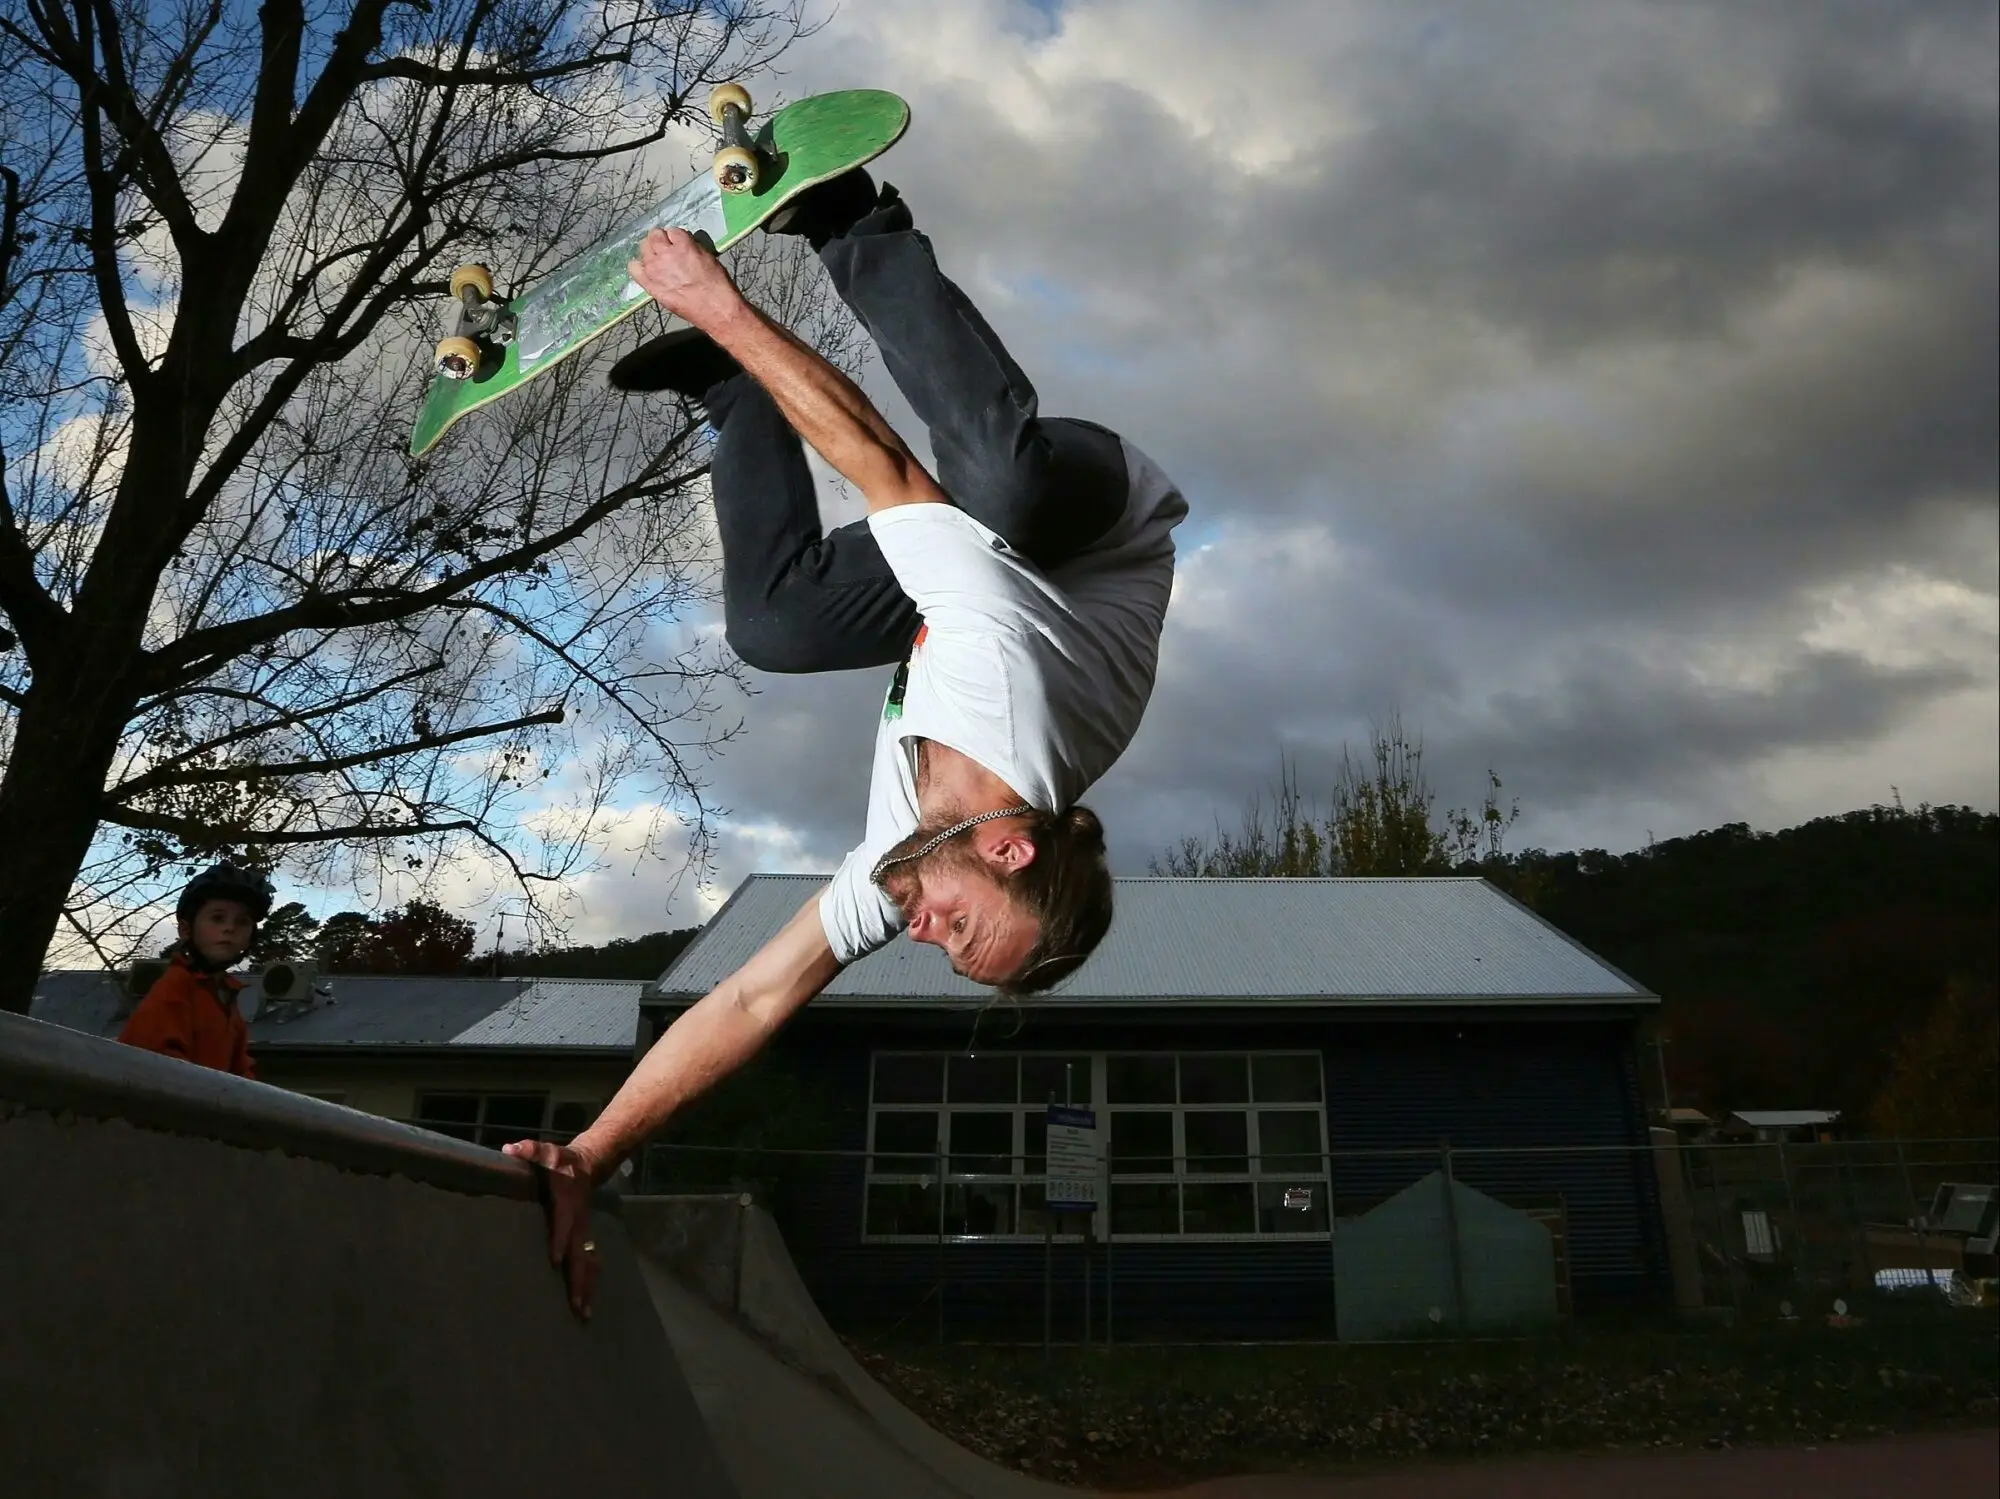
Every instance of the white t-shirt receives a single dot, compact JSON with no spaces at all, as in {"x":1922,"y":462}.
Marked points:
{"x":1041,"y":678}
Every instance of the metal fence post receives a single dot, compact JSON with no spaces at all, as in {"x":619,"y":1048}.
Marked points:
{"x":1792,"y":1203}
{"x":1917,"y":1219}
{"x":1860,"y":1229}
{"x":1722,"y":1228}
{"x":1332,"y":1242}
{"x":1089,"y":1248}
{"x":1104,"y":1176}
{"x":1048,"y":1290}
{"x":1451,"y":1239}
{"x":940,"y":1242}
{"x":1048,"y":1250}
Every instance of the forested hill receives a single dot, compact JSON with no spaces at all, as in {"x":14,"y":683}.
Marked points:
{"x":644,"y":957}
{"x":1791,"y":964}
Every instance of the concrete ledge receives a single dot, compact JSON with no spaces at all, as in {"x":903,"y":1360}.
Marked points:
{"x":220,"y":1291}
{"x":62,"y":1071}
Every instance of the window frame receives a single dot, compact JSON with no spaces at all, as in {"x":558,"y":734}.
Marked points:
{"x":482,"y":1123}
{"x":1255,"y":1175}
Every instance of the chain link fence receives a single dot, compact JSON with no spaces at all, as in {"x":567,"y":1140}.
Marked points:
{"x":1441,"y":1241}
{"x":1788,"y":1229}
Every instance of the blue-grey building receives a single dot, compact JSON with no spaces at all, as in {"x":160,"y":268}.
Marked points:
{"x":1271,"y":1064}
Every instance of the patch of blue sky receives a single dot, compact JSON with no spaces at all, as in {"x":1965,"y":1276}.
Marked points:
{"x":1035,"y":20}
{"x":1044,"y":290}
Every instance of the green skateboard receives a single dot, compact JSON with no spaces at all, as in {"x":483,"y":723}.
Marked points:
{"x":500,"y":344}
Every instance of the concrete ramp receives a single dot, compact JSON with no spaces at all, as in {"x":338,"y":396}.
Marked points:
{"x":210,"y":1288}
{"x":765,"y":1364}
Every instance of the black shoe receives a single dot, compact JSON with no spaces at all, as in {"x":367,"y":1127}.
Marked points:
{"x":830,"y":209}
{"x":686,"y":361}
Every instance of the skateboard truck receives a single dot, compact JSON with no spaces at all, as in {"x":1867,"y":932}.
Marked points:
{"x":482,"y":319}
{"x":736,"y":164}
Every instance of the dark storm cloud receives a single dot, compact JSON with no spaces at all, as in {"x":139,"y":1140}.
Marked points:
{"x":1551,"y":373}
{"x":1584,"y":185}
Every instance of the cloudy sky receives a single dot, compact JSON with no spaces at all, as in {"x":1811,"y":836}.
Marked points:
{"x":1608,"y":387}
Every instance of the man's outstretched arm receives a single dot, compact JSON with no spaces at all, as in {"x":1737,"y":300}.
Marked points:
{"x":717,"y":1035}
{"x":713,"y":1038}
{"x":822,"y":405}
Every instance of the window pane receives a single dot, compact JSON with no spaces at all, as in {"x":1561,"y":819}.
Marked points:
{"x":906,"y":1143}
{"x":903,"y":1208}
{"x":1139,"y":1079}
{"x":454,"y":1114}
{"x":568,"y":1120}
{"x":523,"y":1110}
{"x":1286,"y":1079}
{"x":909,"y":1079}
{"x":982,"y":1144}
{"x":1291,"y":1208}
{"x":979,"y":1208}
{"x":1142,"y":1142}
{"x":981,"y":1080}
{"x":1218,"y":1208}
{"x":1212,"y":1079}
{"x":513,"y":1116}
{"x":1145,"y":1208}
{"x":1035,"y":1214}
{"x":1035,"y":1128}
{"x":1289,"y":1143}
{"x":1217,"y":1142}
{"x":1043,"y":1077}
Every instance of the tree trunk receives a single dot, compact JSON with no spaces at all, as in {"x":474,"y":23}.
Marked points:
{"x":50,"y":797}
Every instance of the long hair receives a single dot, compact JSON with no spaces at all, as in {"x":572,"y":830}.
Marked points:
{"x":1067,"y":888}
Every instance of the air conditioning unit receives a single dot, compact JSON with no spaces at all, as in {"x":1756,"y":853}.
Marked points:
{"x":279,"y":983}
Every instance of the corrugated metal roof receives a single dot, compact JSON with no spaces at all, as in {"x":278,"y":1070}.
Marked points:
{"x":78,"y":999}
{"x":370,"y":1010}
{"x":563,"y":1012}
{"x":1342,"y":941}
{"x":366,"y":1010}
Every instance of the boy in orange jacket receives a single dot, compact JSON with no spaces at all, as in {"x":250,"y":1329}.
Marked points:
{"x":191,"y":1011}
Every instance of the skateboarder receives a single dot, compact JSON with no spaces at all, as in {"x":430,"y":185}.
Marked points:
{"x":190,"y":1012}
{"x":1020,"y":596}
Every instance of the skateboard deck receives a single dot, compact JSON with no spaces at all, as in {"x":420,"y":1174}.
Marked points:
{"x":801,"y":145}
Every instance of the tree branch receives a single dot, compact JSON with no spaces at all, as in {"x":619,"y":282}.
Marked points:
{"x":286,"y":717}
{"x":120,"y":103}
{"x":154,"y":780}
{"x":434,"y":77}
{"x":10,"y":230}
{"x":193,"y":656}
{"x":73,"y":50}
{"x":197,"y":834}
{"x":37,"y":618}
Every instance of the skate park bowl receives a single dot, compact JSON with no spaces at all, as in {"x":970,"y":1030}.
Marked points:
{"x":217,"y":1288}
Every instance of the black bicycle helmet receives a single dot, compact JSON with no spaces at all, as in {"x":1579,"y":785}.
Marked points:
{"x":226,"y":882}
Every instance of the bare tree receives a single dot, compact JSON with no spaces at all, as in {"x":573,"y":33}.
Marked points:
{"x":235,"y":617}
{"x":1382,"y":821}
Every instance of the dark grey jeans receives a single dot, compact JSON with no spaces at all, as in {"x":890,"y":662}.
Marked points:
{"x":797,"y":599}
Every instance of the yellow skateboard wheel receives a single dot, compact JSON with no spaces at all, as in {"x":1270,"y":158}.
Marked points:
{"x":475,"y":276}
{"x":457,"y":358}
{"x":725,"y":94}
{"x":736,"y":169}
